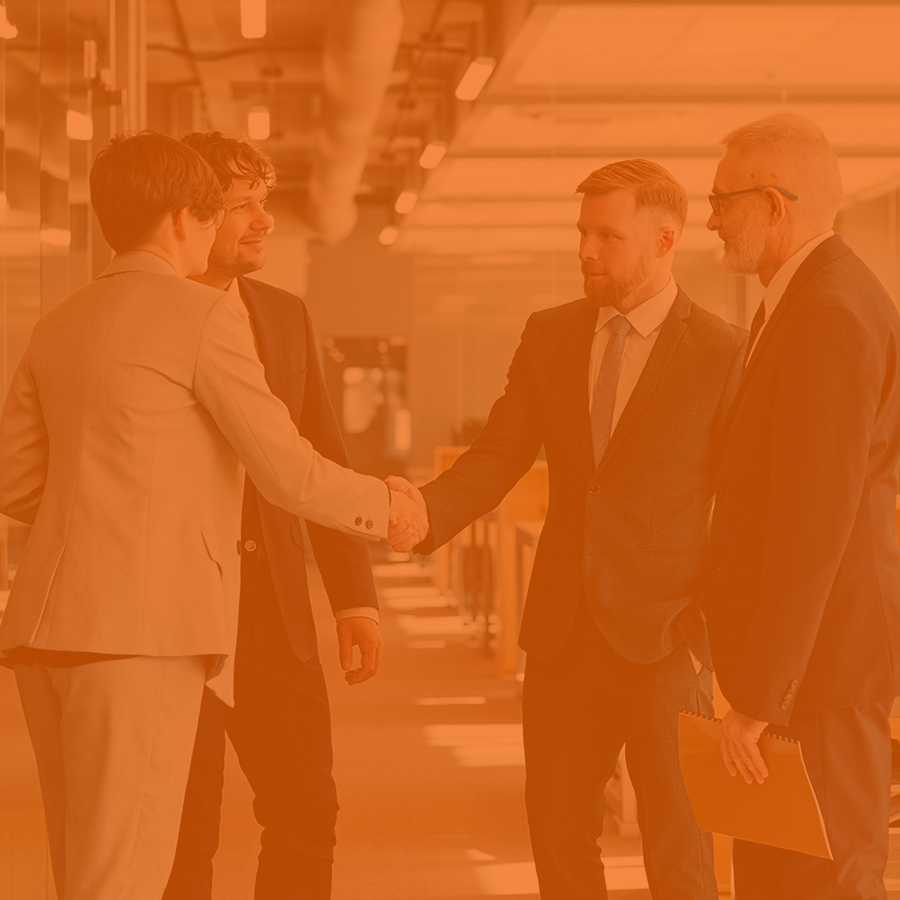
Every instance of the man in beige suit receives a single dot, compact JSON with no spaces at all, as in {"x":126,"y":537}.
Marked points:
{"x":137,"y":405}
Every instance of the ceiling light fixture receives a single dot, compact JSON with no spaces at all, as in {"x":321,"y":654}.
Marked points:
{"x":79,"y":127}
{"x":475,"y":78}
{"x":253,"y":18}
{"x":388,"y":235}
{"x":406,"y":201}
{"x":432,"y":155}
{"x":7,"y":30}
{"x":259,"y":123}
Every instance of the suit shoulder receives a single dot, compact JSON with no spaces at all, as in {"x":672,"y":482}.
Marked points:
{"x":275,"y":294}
{"x":562,"y":315}
{"x":715,"y":330}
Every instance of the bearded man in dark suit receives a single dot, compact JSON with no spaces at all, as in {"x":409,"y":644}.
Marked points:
{"x":280,"y":724}
{"x":804,"y":595}
{"x":627,"y":389}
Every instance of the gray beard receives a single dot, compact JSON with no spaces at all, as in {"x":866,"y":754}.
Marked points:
{"x":744,"y":250}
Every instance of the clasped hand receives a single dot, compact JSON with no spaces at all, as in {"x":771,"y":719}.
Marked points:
{"x":408,"y":515}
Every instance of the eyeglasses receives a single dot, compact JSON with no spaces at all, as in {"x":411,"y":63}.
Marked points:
{"x":716,"y":199}
{"x":220,"y":216}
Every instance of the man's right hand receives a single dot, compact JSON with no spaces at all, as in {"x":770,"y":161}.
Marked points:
{"x":408,"y":517}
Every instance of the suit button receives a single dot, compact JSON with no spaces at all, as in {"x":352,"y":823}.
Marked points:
{"x":370,"y":524}
{"x":359,"y":520}
{"x":786,"y":704}
{"x":795,"y":684}
{"x":250,"y":545}
{"x":594,"y":488}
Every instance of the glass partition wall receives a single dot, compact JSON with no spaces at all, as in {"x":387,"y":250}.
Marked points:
{"x":65,"y":87}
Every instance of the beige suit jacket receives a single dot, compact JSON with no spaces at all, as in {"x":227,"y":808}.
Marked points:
{"x":121,"y":442}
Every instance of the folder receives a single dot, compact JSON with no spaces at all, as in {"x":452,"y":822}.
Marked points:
{"x":782,"y":811}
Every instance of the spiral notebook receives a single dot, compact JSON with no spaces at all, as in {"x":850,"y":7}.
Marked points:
{"x":782,"y":811}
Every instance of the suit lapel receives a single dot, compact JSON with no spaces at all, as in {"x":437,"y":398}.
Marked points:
{"x":828,"y":250}
{"x":578,"y":389}
{"x":268,"y":336}
{"x":669,"y":336}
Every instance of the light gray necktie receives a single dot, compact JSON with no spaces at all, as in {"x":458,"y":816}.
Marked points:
{"x":605,"y":389}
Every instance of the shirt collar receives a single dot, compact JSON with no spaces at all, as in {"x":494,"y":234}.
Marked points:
{"x":233,"y":288}
{"x":647,"y":317}
{"x":782,"y":278}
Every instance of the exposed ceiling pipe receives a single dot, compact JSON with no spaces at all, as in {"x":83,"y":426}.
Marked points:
{"x":361,"y":44}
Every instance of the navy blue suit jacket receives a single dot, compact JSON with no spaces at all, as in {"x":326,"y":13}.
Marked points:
{"x":287,"y":350}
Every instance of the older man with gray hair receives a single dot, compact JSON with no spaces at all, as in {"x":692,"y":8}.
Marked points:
{"x":804,"y":590}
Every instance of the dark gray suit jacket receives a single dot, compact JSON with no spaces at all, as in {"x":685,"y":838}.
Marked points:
{"x":804,"y":591}
{"x":631,"y":534}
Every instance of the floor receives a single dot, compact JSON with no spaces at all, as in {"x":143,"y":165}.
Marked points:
{"x":428,"y":761}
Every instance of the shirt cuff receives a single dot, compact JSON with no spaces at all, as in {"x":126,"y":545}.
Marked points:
{"x":368,"y":612}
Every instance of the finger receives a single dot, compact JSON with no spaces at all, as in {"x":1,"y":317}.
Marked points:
{"x":756,"y":763}
{"x":740,"y":760}
{"x":726,"y":758}
{"x":369,"y":657}
{"x":345,"y":647}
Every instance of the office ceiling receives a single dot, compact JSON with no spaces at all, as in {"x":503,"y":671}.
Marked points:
{"x":578,"y":84}
{"x":587,"y":83}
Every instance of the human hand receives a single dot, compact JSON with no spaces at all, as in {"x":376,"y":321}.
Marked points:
{"x":408,"y":516}
{"x":363,"y":632}
{"x":740,"y":747}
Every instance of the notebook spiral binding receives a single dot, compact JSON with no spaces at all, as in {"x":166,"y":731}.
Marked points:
{"x":767,"y":734}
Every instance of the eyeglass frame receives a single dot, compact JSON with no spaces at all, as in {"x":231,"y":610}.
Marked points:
{"x":715,"y":199}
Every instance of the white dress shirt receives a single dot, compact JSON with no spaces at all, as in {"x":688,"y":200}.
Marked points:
{"x":646,"y":321}
{"x":368,"y":612}
{"x":782,"y":278}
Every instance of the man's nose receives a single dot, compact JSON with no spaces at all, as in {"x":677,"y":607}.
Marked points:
{"x":713,"y":222}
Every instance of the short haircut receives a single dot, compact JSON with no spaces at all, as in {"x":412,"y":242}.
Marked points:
{"x":232,"y":157}
{"x":780,"y":128}
{"x":654,"y":187}
{"x":800,"y":143}
{"x":137,"y":180}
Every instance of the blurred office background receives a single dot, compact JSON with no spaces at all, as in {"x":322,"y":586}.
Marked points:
{"x":427,"y":152}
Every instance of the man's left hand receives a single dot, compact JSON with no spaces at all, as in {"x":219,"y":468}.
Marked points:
{"x":740,"y":747}
{"x":363,"y":632}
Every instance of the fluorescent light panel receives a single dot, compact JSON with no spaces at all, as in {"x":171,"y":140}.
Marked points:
{"x":475,"y":78}
{"x":388,"y":235}
{"x":79,"y":127}
{"x":259,"y":123}
{"x":433,"y":154}
{"x":406,"y":201}
{"x":253,"y":18}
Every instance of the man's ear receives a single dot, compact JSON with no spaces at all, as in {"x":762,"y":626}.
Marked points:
{"x":666,"y":240}
{"x":179,"y":223}
{"x":776,"y":206}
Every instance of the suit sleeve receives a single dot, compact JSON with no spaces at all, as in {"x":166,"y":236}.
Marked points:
{"x":498,"y":458}
{"x":343,"y":559}
{"x":826,"y":400}
{"x":229,"y":381}
{"x":24,"y":447}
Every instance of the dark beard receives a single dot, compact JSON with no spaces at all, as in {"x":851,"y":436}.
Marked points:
{"x":608,"y":294}
{"x":616,"y":289}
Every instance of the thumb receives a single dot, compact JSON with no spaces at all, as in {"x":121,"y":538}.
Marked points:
{"x":345,"y":647}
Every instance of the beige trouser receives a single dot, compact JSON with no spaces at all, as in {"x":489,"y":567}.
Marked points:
{"x":113,"y":742}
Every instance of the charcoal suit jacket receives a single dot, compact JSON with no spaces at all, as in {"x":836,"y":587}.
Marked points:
{"x":287,"y":349}
{"x":804,"y":591}
{"x":630,"y":534}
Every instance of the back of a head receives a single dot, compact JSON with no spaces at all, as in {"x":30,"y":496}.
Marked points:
{"x":137,"y":180}
{"x":654,"y":187}
{"x":231,"y":158}
{"x":791,"y":151}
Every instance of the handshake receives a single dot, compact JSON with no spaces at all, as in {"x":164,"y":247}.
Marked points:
{"x":408,"y":515}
